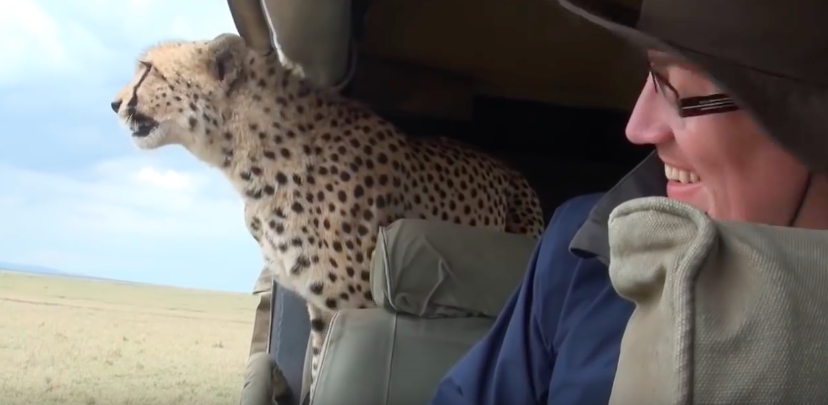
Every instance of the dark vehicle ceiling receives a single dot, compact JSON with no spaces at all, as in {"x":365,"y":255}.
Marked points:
{"x":522,"y":79}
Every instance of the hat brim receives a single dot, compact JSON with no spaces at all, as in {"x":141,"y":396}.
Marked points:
{"x":793,"y":113}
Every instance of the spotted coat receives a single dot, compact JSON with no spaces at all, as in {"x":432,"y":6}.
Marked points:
{"x":319,"y":174}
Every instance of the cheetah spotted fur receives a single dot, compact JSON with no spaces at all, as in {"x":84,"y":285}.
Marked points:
{"x":318,"y":174}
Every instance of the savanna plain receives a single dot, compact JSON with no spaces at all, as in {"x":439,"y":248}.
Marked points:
{"x":66,"y":340}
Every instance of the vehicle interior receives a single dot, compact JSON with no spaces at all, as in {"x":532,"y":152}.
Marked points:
{"x":523,"y":80}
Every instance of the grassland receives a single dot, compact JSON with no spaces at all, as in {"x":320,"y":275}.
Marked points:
{"x":88,"y":342}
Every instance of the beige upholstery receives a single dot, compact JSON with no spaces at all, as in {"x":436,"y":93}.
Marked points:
{"x":262,"y":378}
{"x":425,"y":276}
{"x":312,"y":34}
{"x":433,"y":269}
{"x":261,"y":319}
{"x":726,"y":313}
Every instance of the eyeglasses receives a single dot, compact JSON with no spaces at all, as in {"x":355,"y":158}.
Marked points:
{"x":692,"y":106}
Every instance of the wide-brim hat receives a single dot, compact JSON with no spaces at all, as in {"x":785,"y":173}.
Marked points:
{"x":771,"y":57}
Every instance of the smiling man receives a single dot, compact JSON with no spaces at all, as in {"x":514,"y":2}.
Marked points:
{"x":736,"y":106}
{"x":723,"y":164}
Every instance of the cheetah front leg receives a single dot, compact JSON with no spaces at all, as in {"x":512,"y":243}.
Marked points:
{"x":319,"y":320}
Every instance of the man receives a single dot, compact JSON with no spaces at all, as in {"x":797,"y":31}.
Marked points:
{"x":736,"y":106}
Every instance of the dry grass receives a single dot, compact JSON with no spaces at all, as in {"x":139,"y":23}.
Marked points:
{"x":75,"y":341}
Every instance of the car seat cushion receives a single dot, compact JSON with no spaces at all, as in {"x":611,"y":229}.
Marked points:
{"x":437,"y":269}
{"x":726,"y":312}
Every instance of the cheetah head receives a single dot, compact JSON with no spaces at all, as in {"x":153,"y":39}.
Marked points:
{"x":182,"y":91}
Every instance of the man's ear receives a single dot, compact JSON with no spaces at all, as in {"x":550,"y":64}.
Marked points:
{"x":226,"y":58}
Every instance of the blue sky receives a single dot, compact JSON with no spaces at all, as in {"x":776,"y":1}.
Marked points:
{"x":74,"y":193}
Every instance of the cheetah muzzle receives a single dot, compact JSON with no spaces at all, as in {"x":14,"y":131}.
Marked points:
{"x":319,"y":174}
{"x":140,"y":124}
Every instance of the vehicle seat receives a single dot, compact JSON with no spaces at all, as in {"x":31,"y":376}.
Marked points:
{"x":438,"y":287}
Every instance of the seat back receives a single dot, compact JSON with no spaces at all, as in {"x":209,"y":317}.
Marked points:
{"x":438,"y":287}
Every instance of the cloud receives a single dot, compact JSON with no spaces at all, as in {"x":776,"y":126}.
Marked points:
{"x":96,"y":40}
{"x":126,"y":197}
{"x":31,"y":38}
{"x":74,"y":192}
{"x":114,"y":212}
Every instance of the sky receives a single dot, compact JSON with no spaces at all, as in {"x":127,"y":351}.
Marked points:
{"x":75,"y":194}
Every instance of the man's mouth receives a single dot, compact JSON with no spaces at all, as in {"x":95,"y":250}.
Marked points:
{"x":141,"y":124}
{"x":680,"y":175}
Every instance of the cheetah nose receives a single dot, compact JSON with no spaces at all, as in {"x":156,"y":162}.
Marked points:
{"x":116,"y":105}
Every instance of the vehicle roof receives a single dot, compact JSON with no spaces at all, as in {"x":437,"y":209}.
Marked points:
{"x":524,"y":49}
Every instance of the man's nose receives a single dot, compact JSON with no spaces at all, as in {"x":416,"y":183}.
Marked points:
{"x":116,"y":105}
{"x":650,"y":121}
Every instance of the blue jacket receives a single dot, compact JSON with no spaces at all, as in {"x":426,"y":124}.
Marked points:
{"x":557,"y":339}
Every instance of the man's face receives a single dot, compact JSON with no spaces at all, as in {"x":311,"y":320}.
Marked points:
{"x":722,"y":163}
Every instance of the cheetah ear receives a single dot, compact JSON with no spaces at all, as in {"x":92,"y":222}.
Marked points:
{"x":226,"y":58}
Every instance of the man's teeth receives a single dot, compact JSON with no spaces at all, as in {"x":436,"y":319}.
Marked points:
{"x":679,"y":175}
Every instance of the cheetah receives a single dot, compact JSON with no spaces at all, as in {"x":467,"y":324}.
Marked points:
{"x":318,"y":173}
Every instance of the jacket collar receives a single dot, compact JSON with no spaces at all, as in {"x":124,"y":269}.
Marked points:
{"x":646,"y":180}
